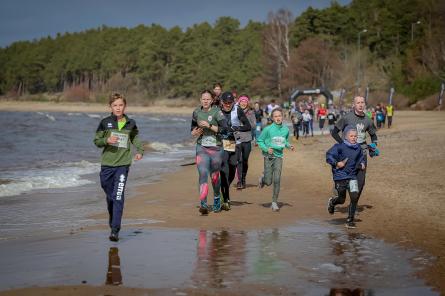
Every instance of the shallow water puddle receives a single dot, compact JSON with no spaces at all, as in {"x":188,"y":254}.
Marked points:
{"x":308,"y":259}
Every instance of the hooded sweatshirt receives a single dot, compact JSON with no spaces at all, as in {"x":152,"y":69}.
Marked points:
{"x":274,"y":136}
{"x":339,"y":152}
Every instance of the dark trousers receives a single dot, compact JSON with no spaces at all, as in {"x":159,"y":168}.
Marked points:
{"x":389,"y":121}
{"x":305,"y":128}
{"x":228,"y":170}
{"x":113,"y":181}
{"x":361,"y":178}
{"x":297,"y":130}
{"x":242,"y":155}
{"x":311,"y":126}
{"x":342,"y":187}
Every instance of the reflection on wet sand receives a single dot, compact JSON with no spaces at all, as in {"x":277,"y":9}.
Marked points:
{"x":114,"y":276}
{"x":221,"y":259}
{"x":266,"y":263}
{"x":306,"y":259}
{"x":346,"y":292}
{"x":347,"y":251}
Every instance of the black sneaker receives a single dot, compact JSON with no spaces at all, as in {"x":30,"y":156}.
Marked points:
{"x":331,"y":207}
{"x":350,"y":223}
{"x":239,"y":185}
{"x":114,"y":236}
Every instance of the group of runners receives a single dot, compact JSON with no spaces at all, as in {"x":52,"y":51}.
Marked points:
{"x":380,"y":114}
{"x":224,"y":127}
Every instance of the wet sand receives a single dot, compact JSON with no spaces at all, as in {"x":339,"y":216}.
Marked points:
{"x":402,"y":201}
{"x":310,"y":258}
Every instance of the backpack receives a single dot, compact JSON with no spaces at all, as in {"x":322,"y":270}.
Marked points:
{"x":298,"y":117}
{"x":380,"y":117}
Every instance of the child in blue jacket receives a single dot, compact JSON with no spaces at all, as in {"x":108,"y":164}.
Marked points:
{"x":346,"y":159}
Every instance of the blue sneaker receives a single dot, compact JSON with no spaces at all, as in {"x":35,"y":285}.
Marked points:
{"x":203,"y":208}
{"x":217,"y":204}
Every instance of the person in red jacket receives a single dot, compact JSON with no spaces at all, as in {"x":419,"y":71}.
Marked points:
{"x":321,"y":116}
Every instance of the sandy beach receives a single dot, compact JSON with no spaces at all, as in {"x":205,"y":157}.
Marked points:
{"x":402,"y":202}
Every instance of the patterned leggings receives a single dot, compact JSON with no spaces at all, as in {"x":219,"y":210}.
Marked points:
{"x":208,"y":161}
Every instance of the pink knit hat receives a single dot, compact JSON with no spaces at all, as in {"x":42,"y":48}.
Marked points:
{"x":243,"y":98}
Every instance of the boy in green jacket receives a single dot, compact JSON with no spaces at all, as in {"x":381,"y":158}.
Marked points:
{"x":272,"y":141}
{"x":115,"y":135}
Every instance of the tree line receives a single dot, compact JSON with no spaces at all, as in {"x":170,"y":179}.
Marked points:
{"x":401,"y":44}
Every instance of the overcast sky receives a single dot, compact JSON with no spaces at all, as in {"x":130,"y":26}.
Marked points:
{"x":31,"y":19}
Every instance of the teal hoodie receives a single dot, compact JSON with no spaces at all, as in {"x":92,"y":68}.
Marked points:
{"x":274,"y":136}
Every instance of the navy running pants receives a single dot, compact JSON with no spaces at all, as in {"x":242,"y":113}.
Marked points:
{"x":113,"y":181}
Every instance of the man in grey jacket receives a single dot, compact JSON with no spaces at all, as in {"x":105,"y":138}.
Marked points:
{"x":358,"y":119}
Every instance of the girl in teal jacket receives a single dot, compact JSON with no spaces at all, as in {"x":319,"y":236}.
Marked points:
{"x":272,"y":142}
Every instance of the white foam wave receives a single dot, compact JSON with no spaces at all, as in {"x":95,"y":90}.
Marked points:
{"x":67,"y":176}
{"x":164,"y":147}
{"x":94,"y":115}
{"x":50,"y":117}
{"x":75,"y":114}
{"x":179,"y":119}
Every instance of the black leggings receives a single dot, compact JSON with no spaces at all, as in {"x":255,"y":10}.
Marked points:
{"x":342,"y":186}
{"x":361,"y":178}
{"x":242,"y":155}
{"x":297,"y":130}
{"x":228,"y":170}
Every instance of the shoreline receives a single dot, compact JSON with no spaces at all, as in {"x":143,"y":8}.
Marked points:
{"x":34,"y":106}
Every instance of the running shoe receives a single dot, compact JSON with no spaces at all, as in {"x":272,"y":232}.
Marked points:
{"x":217,"y":204}
{"x":239,"y":185}
{"x":226,"y":206}
{"x":261,"y":182}
{"x":203,"y":208}
{"x":350,"y":223}
{"x":331,"y":207}
{"x":114,"y":236}
{"x":274,"y":207}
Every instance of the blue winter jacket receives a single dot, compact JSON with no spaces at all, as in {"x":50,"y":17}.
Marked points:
{"x":339,"y":152}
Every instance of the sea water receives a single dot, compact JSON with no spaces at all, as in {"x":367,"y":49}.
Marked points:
{"x":49,"y":166}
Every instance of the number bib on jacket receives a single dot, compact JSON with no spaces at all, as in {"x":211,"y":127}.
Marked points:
{"x":122,"y":140}
{"x":208,"y":141}
{"x":229,"y":145}
{"x":279,"y":142}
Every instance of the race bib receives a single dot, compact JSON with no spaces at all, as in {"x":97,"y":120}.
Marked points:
{"x":258,"y":128}
{"x":353,"y":186}
{"x":208,"y":141}
{"x":279,"y":142}
{"x":229,"y":145}
{"x":122,"y":141}
{"x":323,"y":117}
